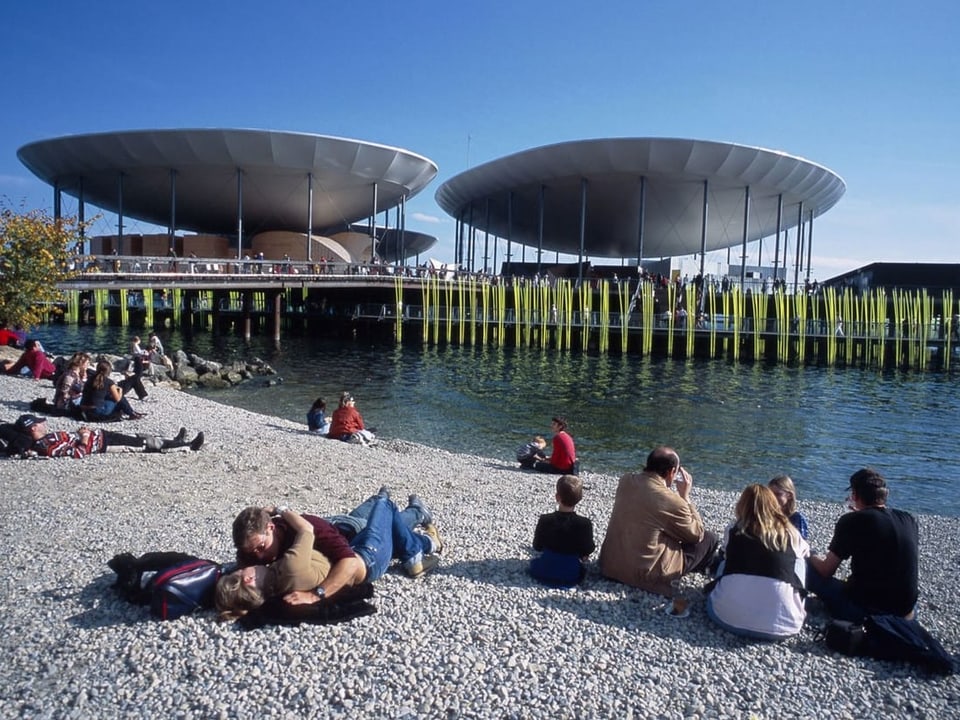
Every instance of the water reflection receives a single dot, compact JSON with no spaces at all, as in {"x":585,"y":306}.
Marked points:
{"x":732,"y":423}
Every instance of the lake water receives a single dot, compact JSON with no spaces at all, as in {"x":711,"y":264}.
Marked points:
{"x":731,"y":424}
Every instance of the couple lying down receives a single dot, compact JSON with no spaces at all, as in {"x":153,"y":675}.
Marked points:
{"x":308,"y":560}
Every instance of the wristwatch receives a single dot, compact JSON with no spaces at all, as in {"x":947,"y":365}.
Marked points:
{"x":320,"y":592}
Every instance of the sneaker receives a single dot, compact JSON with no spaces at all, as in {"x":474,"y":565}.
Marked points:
{"x":384,"y":491}
{"x":181,"y":436}
{"x":423,"y":566}
{"x":197,"y":442}
{"x":415,"y":501}
{"x":430,"y":530}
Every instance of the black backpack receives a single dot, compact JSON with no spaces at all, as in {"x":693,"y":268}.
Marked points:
{"x":183,"y":588}
{"x":890,"y":637}
{"x":12,"y":441}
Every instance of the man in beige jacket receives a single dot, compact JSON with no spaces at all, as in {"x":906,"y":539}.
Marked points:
{"x":655,"y":534}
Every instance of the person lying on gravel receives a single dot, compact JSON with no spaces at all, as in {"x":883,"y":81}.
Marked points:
{"x":261,"y":537}
{"x":31,"y":438}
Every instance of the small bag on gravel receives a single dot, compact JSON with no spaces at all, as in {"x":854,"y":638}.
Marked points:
{"x":889,"y":637}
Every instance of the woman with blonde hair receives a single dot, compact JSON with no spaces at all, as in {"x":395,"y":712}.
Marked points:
{"x":759,"y":590}
{"x":786,"y":493}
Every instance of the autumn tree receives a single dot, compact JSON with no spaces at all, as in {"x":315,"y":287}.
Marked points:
{"x":35,"y":255}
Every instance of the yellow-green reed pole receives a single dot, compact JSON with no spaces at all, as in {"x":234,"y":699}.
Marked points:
{"x":605,"y":317}
{"x":898,"y":325}
{"x":437,"y":308}
{"x":473,"y":310}
{"x":880,"y":299}
{"x":712,"y":309}
{"x":672,"y":307}
{"x":568,"y":314}
{"x":517,"y":312}
{"x":647,"y":321}
{"x":783,"y":325}
{"x":484,"y":309}
{"x":947,"y":305}
{"x":736,"y":307}
{"x":830,"y":323}
{"x":425,"y":301}
{"x":398,"y":304}
{"x":544,"y":310}
{"x":759,"y":302}
{"x":624,"y":301}
{"x":586,"y":305}
{"x":690,"y":306}
{"x":725,"y":301}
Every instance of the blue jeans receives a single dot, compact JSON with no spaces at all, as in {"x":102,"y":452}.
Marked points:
{"x":834,"y":595}
{"x":356,"y":521}
{"x":386,"y":536}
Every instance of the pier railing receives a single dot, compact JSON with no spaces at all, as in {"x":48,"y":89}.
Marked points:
{"x":876,"y":328}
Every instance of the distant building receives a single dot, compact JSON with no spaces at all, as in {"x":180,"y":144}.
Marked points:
{"x":933,"y":277}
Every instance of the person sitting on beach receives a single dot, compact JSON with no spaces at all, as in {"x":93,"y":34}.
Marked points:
{"x":156,"y":354}
{"x":563,"y":458}
{"x":69,"y":389}
{"x":70,"y":383}
{"x":103,"y":399}
{"x":655,"y":534}
{"x":786,"y":493}
{"x":347,"y":423}
{"x":529,"y":453}
{"x":883,"y":546}
{"x":34,"y":360}
{"x":759,"y":589}
{"x":317,"y":420}
{"x":563,"y":538}
{"x":261,"y":538}
{"x":35,"y":439}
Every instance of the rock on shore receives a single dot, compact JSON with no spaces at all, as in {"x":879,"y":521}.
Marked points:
{"x":476,"y":638}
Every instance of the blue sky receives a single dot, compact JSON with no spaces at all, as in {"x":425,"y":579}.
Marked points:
{"x":870,"y":90}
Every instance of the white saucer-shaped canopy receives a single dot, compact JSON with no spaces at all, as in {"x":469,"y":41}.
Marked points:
{"x":203,"y":194}
{"x":673,"y":172}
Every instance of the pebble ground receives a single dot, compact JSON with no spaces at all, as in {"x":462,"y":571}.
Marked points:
{"x":475,"y":639}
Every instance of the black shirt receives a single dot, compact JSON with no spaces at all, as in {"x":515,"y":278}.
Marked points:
{"x":564,"y":532}
{"x":883,"y":547}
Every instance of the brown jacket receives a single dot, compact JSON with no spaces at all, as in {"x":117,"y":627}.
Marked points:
{"x":648,"y":523}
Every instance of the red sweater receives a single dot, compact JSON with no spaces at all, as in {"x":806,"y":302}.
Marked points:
{"x":564,"y":454}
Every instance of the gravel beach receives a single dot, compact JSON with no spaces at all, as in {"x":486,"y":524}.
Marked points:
{"x":475,"y":638}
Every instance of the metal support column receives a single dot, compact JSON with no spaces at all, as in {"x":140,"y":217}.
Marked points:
{"x":172,"y":230}
{"x":796,"y":266}
{"x":776,"y":251}
{"x":703,"y":228}
{"x":809,"y":244}
{"x":510,"y":231}
{"x":642,"y":221}
{"x":746,"y":228}
{"x":119,"y":212}
{"x":309,"y":217}
{"x":82,"y":219}
{"x":486,"y":240}
{"x":56,"y":199}
{"x":543,"y":191}
{"x":240,"y":230}
{"x":373,"y":224}
{"x":583,"y":228}
{"x":403,"y":229}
